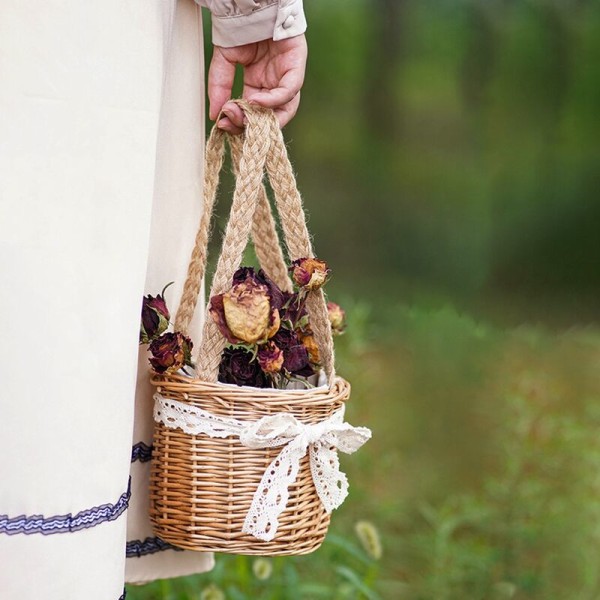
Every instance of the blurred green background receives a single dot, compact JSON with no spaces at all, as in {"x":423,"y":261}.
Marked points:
{"x":449,"y":157}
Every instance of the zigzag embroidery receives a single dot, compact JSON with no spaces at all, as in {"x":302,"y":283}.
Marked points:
{"x":66,"y":523}
{"x":141,"y":452}
{"x":150,"y":545}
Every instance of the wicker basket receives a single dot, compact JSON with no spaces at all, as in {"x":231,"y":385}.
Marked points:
{"x":201,"y":488}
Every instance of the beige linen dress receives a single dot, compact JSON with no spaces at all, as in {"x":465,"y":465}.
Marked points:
{"x":101,"y":110}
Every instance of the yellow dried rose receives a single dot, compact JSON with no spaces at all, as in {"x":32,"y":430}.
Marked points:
{"x":245,"y":313}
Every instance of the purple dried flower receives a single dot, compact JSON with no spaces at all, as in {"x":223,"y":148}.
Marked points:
{"x":237,"y":366}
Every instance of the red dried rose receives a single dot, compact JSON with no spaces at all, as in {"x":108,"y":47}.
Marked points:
{"x":170,"y":352}
{"x":237,"y":366}
{"x":155,"y":317}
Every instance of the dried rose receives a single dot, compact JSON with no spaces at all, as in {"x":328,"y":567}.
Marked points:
{"x":245,"y":314}
{"x":237,"y":366}
{"x":337,"y":318}
{"x":308,"y":341}
{"x":270,"y":358}
{"x":310,"y":273}
{"x":275,"y":294}
{"x":295,"y":354}
{"x":170,"y":352}
{"x":155,"y":317}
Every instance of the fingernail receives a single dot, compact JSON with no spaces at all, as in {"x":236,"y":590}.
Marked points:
{"x":222,"y":124}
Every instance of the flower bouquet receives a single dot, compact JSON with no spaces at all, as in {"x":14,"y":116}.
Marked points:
{"x":248,"y":427}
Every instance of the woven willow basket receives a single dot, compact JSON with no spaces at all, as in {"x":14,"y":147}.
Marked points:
{"x":200,"y":487}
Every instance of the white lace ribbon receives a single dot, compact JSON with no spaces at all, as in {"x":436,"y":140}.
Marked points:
{"x":281,"y":429}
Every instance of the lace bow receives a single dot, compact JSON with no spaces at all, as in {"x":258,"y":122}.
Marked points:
{"x":281,"y":429}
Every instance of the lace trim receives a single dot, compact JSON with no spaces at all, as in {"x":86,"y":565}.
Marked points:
{"x":320,"y":440}
{"x":68,"y":523}
{"x":150,"y":545}
{"x":141,"y":452}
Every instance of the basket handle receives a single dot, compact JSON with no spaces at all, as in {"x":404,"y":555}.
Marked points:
{"x":264,"y":232}
{"x":262,"y":146}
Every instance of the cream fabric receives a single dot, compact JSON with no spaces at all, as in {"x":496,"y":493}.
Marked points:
{"x":175,"y":217}
{"x":80,"y":98}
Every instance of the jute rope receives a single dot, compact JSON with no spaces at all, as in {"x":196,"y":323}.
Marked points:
{"x":213,"y":161}
{"x":264,"y":232}
{"x":262,"y":147}
{"x":289,"y":205}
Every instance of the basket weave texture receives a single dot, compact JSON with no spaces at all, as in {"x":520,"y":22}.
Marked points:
{"x":201,"y":488}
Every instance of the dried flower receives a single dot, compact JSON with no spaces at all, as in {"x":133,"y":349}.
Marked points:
{"x":310,"y":273}
{"x":295,"y":354}
{"x":337,"y":318}
{"x":369,"y":538}
{"x":275,"y":294}
{"x":246,"y":313}
{"x":262,"y":568}
{"x":170,"y":352}
{"x":270,"y":358}
{"x":307,"y":339}
{"x":155,"y":317}
{"x":237,"y":366}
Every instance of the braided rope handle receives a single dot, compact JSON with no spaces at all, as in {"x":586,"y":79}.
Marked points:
{"x":264,"y":232}
{"x":297,"y":237}
{"x":262,"y":147}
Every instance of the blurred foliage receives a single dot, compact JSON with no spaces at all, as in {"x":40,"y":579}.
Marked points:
{"x":454,"y":144}
{"x":448,"y":153}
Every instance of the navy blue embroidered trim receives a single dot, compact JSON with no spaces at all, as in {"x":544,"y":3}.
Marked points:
{"x":141,"y":452}
{"x":150,"y":545}
{"x":66,"y":523}
{"x":123,"y":595}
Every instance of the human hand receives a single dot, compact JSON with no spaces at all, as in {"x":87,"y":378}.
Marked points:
{"x":273,"y":76}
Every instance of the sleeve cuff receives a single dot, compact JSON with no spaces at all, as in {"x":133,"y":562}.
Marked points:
{"x":271,"y":22}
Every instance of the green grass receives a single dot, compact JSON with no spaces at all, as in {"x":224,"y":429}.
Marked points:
{"x":483,"y":475}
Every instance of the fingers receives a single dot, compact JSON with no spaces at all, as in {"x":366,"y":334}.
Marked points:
{"x":220,"y":81}
{"x":233,"y":120}
{"x":290,"y":61}
{"x":288,"y":111}
{"x":288,"y":88}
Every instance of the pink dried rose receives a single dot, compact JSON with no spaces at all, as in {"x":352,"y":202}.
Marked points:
{"x":246,"y":314}
{"x":270,"y":358}
{"x":337,"y":318}
{"x":155,"y":317}
{"x":310,"y":273}
{"x":171,"y":352}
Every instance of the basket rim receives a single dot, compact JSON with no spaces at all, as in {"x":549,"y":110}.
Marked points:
{"x":174,"y":382}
